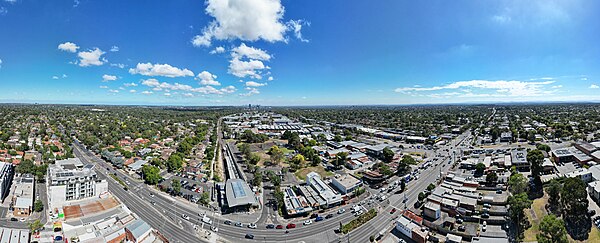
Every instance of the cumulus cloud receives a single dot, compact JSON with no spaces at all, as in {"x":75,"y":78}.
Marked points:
{"x":146,"y":92}
{"x":0,"y":63}
{"x":188,"y":95}
{"x":119,"y":65}
{"x":249,"y":52}
{"x":132,"y":91}
{"x":254,"y":84}
{"x":113,"y":91}
{"x":251,"y":91}
{"x":114,"y":49}
{"x":130,"y":84}
{"x":54,"y":77}
{"x":212,"y":90}
{"x":217,"y":50}
{"x":241,"y":69}
{"x":270,"y":78}
{"x":168,"y":87}
{"x":165,"y":70}
{"x":248,"y":20}
{"x":68,"y":47}
{"x":91,"y":57}
{"x":501,"y":87}
{"x":594,"y":86}
{"x":207,"y":78}
{"x":106,"y":78}
{"x":104,"y":87}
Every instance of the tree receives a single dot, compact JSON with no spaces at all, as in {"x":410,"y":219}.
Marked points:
{"x":151,"y":174}
{"x":174,"y":163}
{"x":553,"y":190}
{"x":430,"y":187}
{"x":388,"y":155}
{"x":275,"y":154}
{"x":244,"y":149}
{"x":536,"y":158}
{"x":338,"y":138}
{"x":340,"y":159}
{"x":402,"y":185}
{"x":543,"y":147}
{"x":575,"y":206}
{"x":517,"y":183}
{"x":421,"y":196}
{"x":35,"y":226}
{"x":204,"y":198}
{"x":299,"y":161}
{"x":479,"y":168}
{"x":176,"y":185}
{"x":552,"y":230}
{"x":491,"y":178}
{"x":518,"y":203}
{"x":257,"y":178}
{"x":253,"y":158}
{"x":38,"y":206}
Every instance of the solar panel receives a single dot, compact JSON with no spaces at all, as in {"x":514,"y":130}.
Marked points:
{"x":238,"y":189}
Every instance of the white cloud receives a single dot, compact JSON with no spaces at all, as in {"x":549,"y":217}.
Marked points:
{"x":113,"y":91}
{"x":217,"y":50}
{"x":132,"y":91}
{"x":0,"y":63}
{"x":296,"y":26}
{"x":64,"y":76}
{"x":168,"y":87}
{"x":106,"y":78}
{"x":243,"y":69}
{"x":114,"y":49}
{"x":584,"y":79}
{"x":104,"y":87}
{"x":121,"y":88}
{"x":188,"y":95}
{"x":130,"y":84}
{"x":249,"y":20}
{"x":501,"y":87}
{"x":270,"y":78}
{"x":254,"y":84}
{"x":212,"y":90}
{"x":119,"y":65}
{"x":68,"y":47}
{"x":594,"y":86}
{"x":91,"y":58}
{"x":166,"y":70}
{"x":3,"y":11}
{"x":251,"y":91}
{"x":557,"y":86}
{"x":54,"y":77}
{"x":151,"y":82}
{"x":249,"y":52}
{"x":146,"y":92}
{"x":167,"y":94}
{"x":207,"y":78}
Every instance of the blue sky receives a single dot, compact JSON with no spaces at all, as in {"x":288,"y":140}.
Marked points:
{"x":284,"y":52}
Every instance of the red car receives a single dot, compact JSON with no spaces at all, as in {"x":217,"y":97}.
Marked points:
{"x":393,"y":210}
{"x":279,"y":226}
{"x":290,"y":226}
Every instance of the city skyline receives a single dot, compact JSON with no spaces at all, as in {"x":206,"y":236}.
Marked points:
{"x":289,"y":53}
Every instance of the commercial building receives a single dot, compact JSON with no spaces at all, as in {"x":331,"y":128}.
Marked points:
{"x":71,"y":180}
{"x":594,"y":190}
{"x":519,"y":159}
{"x":318,"y":189}
{"x":294,"y":204}
{"x":561,"y":156}
{"x":6,"y":176}
{"x":584,"y":174}
{"x":139,"y":231}
{"x":346,"y":183}
{"x":14,"y":235}
{"x":22,"y":201}
{"x":506,"y":137}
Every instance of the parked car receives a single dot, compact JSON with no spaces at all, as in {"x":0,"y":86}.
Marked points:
{"x":393,"y":210}
{"x":252,"y":226}
{"x":319,"y":218}
{"x":290,"y":226}
{"x":227,"y":222}
{"x":461,"y":228}
{"x":279,"y":226}
{"x":270,"y":226}
{"x":307,"y":222}
{"x":249,"y":236}
{"x":485,"y":215}
{"x":239,"y":224}
{"x":341,"y":211}
{"x":329,"y":216}
{"x":14,"y":219}
{"x":314,"y":215}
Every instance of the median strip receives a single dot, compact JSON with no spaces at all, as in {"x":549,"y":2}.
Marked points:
{"x":357,"y":222}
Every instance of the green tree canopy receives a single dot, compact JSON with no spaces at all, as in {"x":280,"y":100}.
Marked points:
{"x":552,"y":230}
{"x":517,"y":183}
{"x":151,"y":174}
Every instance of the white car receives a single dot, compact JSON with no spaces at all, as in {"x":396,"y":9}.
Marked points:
{"x":185,"y":217}
{"x":341,"y":211}
{"x":215,"y":229}
{"x":252,"y":226}
{"x":308,"y":222}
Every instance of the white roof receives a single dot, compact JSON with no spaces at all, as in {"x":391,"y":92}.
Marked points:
{"x":23,"y":202}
